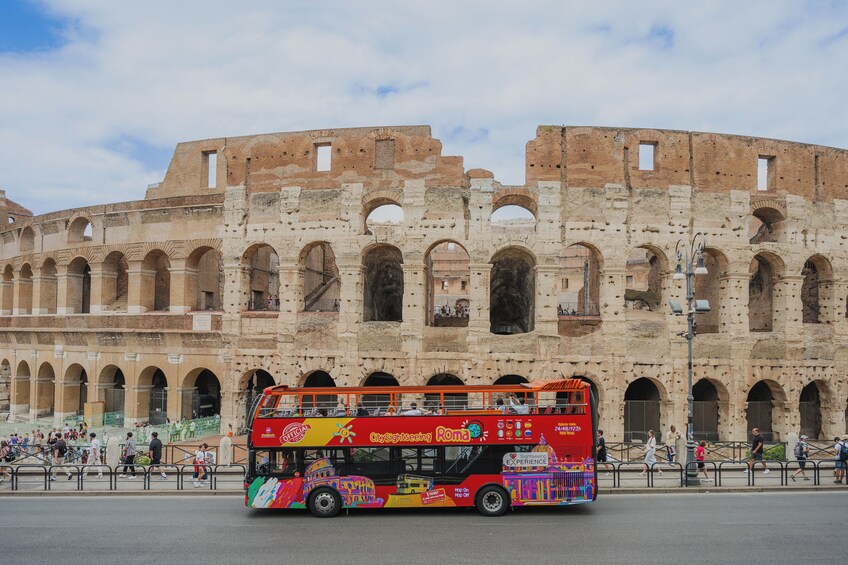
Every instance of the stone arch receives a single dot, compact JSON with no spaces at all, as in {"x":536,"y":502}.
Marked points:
{"x":580,"y":267}
{"x":447,"y":272}
{"x":510,"y":379}
{"x":45,"y":391}
{"x":152,"y":396}
{"x":321,"y":283}
{"x":378,"y":402}
{"x":262,"y":272}
{"x":643,"y":283}
{"x":325,"y":402}
{"x":383,"y":284}
{"x":712,"y":287}
{"x":80,"y":230}
{"x":521,"y":199}
{"x":765,"y":271}
{"x":78,"y":299}
{"x":513,"y":218}
{"x":113,"y":383}
{"x":27,"y":240}
{"x":766,"y":224}
{"x":114,"y":285}
{"x":74,"y":390}
{"x":24,"y":301}
{"x":817,"y":291}
{"x":201,"y":394}
{"x":643,"y":400}
{"x":453,"y":401}
{"x":205,"y":278}
{"x":21,"y":389}
{"x":710,"y":410}
{"x":156,"y":281}
{"x":382,"y":215}
{"x":813,"y":401}
{"x":512,"y":291}
{"x":255,"y":381}
{"x":48,"y":288}
{"x":763,"y":398}
{"x":8,"y":288}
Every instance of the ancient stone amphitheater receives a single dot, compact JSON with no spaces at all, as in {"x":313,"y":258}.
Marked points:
{"x":264,"y":259}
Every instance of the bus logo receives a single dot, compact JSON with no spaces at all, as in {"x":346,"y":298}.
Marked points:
{"x":294,"y":432}
{"x":450,"y":435}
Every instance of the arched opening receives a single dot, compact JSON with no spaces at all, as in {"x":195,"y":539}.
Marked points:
{"x":383,"y":218}
{"x":816,"y":290}
{"x":45,"y":391}
{"x":251,"y":386}
{"x":22,"y":389}
{"x":24,"y":305}
{"x":705,"y":411}
{"x":321,"y":283}
{"x":205,"y":279}
{"x":758,"y":413}
{"x":643,"y":280}
{"x":447,"y":274}
{"x":49,"y":286}
{"x":512,"y":292}
{"x":763,"y":278}
{"x":510,"y":380}
{"x":203,"y":397}
{"x":115,"y":395}
{"x":383,"y":288}
{"x":378,"y":402}
{"x":156,"y":281}
{"x":80,"y":230}
{"x":453,"y":401}
{"x":765,"y":226}
{"x":579,"y":282}
{"x":27,"y":240}
{"x":327,"y":402}
{"x":810,"y":408}
{"x":115,"y":282}
{"x":79,"y":286}
{"x":709,"y":287}
{"x":513,"y":218}
{"x":263,"y":274}
{"x":74,"y":390}
{"x":158,"y":402}
{"x":641,"y":410}
{"x":8,"y":297}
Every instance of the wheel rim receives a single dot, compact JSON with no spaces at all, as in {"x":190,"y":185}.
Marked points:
{"x":493,"y":501}
{"x":325,"y":502}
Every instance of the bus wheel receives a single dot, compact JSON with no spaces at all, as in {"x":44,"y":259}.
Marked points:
{"x":492,"y":501}
{"x":324,"y":502}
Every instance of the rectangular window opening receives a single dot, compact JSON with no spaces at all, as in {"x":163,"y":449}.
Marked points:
{"x":444,"y":285}
{"x":629,"y":279}
{"x":765,"y":173}
{"x":646,"y":156}
{"x":564,"y":284}
{"x":384,"y":154}
{"x":323,"y":157}
{"x":210,"y":169}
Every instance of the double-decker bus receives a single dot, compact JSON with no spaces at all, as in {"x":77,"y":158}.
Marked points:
{"x":325,"y":449}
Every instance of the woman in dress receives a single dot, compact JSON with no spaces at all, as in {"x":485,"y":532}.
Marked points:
{"x":651,"y":453}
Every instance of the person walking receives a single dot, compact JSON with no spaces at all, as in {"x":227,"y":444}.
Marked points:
{"x":802,"y":453}
{"x":651,"y":454}
{"x":60,"y":451}
{"x":6,"y":458}
{"x":94,"y":454}
{"x":130,"y":451}
{"x":841,"y":453}
{"x":201,"y":456}
{"x":601,"y":453}
{"x":155,"y":454}
{"x":757,"y":443}
{"x":700,"y":457}
{"x":672,"y":437}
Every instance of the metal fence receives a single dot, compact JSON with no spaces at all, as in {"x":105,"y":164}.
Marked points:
{"x":168,"y":476}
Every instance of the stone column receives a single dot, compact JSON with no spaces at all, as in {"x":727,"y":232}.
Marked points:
{"x":22,"y":296}
{"x":787,"y":309}
{"x":350,"y":309}
{"x":183,"y":296}
{"x":546,"y":319}
{"x":734,"y":316}
{"x":18,"y":409}
{"x":99,"y":302}
{"x":478,"y":296}
{"x":138,"y":279}
{"x":7,"y":291}
{"x":37,"y":281}
{"x":840,"y":320}
{"x":291,"y":297}
{"x":62,"y":409}
{"x":414,"y":294}
{"x":137,"y":404}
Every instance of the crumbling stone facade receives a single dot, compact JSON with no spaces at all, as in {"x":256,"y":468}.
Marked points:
{"x":260,"y":268}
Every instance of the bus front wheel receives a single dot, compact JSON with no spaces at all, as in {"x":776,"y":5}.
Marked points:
{"x":325,"y":502}
{"x":492,"y":501}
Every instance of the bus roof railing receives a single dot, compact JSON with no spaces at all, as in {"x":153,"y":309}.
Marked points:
{"x":564,"y":385}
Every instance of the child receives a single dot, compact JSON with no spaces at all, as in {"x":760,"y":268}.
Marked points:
{"x":700,"y":456}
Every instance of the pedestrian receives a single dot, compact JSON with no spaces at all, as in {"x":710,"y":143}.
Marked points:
{"x":802,"y":453}
{"x":700,"y":457}
{"x":130,"y":450}
{"x":201,"y":456}
{"x":94,"y":455}
{"x":60,"y":450}
{"x":672,"y":436}
{"x":841,"y":453}
{"x":155,"y":454}
{"x":757,"y":443}
{"x":601,"y":452}
{"x":651,"y":454}
{"x":6,"y":458}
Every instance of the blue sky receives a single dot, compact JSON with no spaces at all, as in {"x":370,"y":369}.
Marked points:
{"x":96,"y":94}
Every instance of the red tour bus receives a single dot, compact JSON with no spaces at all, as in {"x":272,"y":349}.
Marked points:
{"x":436,"y":446}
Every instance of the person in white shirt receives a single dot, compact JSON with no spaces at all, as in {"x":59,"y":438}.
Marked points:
{"x":201,"y":457}
{"x":414,"y":410}
{"x":518,"y":405}
{"x":94,"y":454}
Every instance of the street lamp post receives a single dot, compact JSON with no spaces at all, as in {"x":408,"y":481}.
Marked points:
{"x":691,"y":258}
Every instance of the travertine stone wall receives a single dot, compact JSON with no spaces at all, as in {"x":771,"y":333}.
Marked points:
{"x":583,"y":185}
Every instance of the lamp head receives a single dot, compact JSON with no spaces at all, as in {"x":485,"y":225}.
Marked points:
{"x":678,"y":273}
{"x":701,"y":269}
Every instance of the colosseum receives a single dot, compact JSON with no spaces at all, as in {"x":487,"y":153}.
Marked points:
{"x":364,"y":256}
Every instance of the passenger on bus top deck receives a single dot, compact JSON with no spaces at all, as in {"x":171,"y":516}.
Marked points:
{"x":361,"y":410}
{"x":413,"y":410}
{"x":501,"y":406}
{"x":518,"y":404}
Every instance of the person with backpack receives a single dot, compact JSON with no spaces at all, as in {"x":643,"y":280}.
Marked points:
{"x":6,"y":451}
{"x":841,"y":452}
{"x":130,"y":451}
{"x":802,"y":453}
{"x":60,"y":450}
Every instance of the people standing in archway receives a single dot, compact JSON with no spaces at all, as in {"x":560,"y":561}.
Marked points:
{"x":757,"y":443}
{"x":651,"y":454}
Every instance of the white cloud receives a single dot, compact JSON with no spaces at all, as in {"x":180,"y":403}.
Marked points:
{"x":483,"y":74}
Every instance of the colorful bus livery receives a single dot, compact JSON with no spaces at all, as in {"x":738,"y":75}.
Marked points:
{"x":365,"y":453}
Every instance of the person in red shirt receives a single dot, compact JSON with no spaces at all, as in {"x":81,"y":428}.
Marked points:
{"x":700,"y":457}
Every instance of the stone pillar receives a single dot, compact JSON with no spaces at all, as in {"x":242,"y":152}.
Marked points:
{"x":787,"y":309}
{"x":137,"y":405}
{"x":225,"y":451}
{"x":478,"y":296}
{"x":291,"y":297}
{"x":23,"y":296}
{"x":414,"y":300}
{"x":64,"y":399}
{"x":183,"y":296}
{"x":546,"y":319}
{"x":179,"y":405}
{"x":99,"y":302}
{"x":350,"y":309}
{"x":138,"y":279}
{"x":113,"y":451}
{"x":734,"y":306}
{"x":7,"y":291}
{"x":15,"y":409}
{"x":37,"y":282}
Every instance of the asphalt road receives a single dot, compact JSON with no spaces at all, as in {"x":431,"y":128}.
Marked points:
{"x":750,"y":528}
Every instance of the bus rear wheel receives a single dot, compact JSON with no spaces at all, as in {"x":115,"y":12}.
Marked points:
{"x":324,"y":502}
{"x":492,"y":501}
